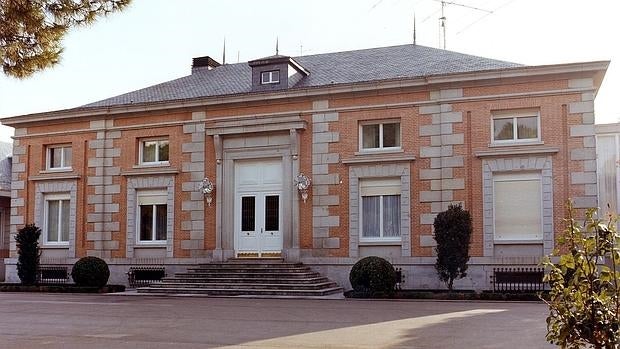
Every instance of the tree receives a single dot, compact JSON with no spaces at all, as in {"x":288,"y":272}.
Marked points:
{"x":452,"y":233}
{"x":27,"y":240}
{"x":584,"y":306}
{"x":31,"y":31}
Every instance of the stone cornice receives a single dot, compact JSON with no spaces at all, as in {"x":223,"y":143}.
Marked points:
{"x":376,"y":158}
{"x":151,"y":172}
{"x":519,"y":150}
{"x":240,"y":125}
{"x":54,"y":176}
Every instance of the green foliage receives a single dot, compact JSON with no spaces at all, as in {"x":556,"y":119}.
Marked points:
{"x":90,"y":271}
{"x":373,"y":276}
{"x":31,"y":32}
{"x":453,"y":234}
{"x":27,"y":240}
{"x":584,"y":279}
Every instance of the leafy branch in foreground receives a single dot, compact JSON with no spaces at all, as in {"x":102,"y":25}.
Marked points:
{"x":584,"y":298}
{"x":31,"y":31}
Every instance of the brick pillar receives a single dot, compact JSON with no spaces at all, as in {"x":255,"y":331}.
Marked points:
{"x":443,"y":158}
{"x":322,"y":180}
{"x":105,"y":189}
{"x":195,"y":169}
{"x":583,"y":181}
{"x":18,"y":191}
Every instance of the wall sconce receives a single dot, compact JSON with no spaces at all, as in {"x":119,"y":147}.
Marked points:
{"x":303,"y":183}
{"x":207,"y":188}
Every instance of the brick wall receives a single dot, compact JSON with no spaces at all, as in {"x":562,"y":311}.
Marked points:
{"x":443,"y":128}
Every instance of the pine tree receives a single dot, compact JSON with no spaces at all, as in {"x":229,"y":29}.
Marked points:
{"x":31,"y":31}
{"x":452,"y":233}
{"x":27,"y":240}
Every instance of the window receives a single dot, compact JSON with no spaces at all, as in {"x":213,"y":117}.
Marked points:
{"x":56,"y":229}
{"x":380,"y":209}
{"x":152,"y":216}
{"x":380,"y":136}
{"x":517,"y":206}
{"x":606,"y":159}
{"x":154,"y":151}
{"x":270,"y":77}
{"x":59,"y":157}
{"x":516,"y":127}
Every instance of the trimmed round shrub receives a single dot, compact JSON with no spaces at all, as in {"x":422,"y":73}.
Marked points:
{"x":90,"y":271}
{"x":373,"y":276}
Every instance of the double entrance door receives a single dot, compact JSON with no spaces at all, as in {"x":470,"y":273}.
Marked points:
{"x":258,"y":208}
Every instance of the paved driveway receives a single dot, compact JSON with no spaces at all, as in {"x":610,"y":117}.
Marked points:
{"x":104,"y":321}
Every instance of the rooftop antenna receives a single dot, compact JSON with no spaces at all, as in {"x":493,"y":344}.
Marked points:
{"x":224,"y":52}
{"x":414,"y":29}
{"x":277,"y":50}
{"x":238,"y":53}
{"x":301,"y":50}
{"x":442,"y":19}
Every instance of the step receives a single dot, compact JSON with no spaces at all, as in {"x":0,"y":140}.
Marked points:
{"x":255,"y":260}
{"x":249,"y":269}
{"x":248,"y":275}
{"x":253,"y":286}
{"x":239,"y":292}
{"x":247,"y":280}
{"x":250,"y":265}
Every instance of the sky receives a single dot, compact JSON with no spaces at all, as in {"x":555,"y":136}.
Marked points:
{"x":154,"y":41}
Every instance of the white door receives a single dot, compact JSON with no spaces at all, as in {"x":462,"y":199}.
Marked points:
{"x":258,"y":208}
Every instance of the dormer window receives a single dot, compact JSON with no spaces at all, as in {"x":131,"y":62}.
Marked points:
{"x":270,"y":77}
{"x":276,"y":73}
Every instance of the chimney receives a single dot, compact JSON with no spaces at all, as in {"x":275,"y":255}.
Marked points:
{"x":205,"y":61}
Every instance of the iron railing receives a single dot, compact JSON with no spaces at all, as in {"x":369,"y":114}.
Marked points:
{"x":52,"y":275}
{"x":143,"y":276}
{"x":514,"y":279}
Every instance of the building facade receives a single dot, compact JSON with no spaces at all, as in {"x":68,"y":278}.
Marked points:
{"x":321,"y":159}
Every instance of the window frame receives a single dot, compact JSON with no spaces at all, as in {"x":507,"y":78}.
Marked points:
{"x":518,"y":176}
{"x":157,"y":162}
{"x":381,"y":148}
{"x":162,"y":193}
{"x":55,"y":197}
{"x":49,"y":161}
{"x":270,"y":74}
{"x":381,"y":238}
{"x":515,"y":115}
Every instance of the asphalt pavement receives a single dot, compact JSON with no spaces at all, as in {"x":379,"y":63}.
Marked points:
{"x":35,"y":320}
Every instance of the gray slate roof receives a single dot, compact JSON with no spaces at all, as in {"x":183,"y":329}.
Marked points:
{"x":383,"y":63}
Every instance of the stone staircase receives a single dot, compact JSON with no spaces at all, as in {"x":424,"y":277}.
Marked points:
{"x":247,"y":277}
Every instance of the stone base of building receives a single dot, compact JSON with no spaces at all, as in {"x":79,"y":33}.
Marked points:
{"x":418,"y":272}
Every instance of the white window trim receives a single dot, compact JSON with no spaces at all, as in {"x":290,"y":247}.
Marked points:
{"x":157,"y":162}
{"x":511,"y":177}
{"x":381,"y":148}
{"x":150,"y":193}
{"x":49,"y":161}
{"x":381,"y":238}
{"x":271,"y":79}
{"x":514,"y":115}
{"x":54,"y":197}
